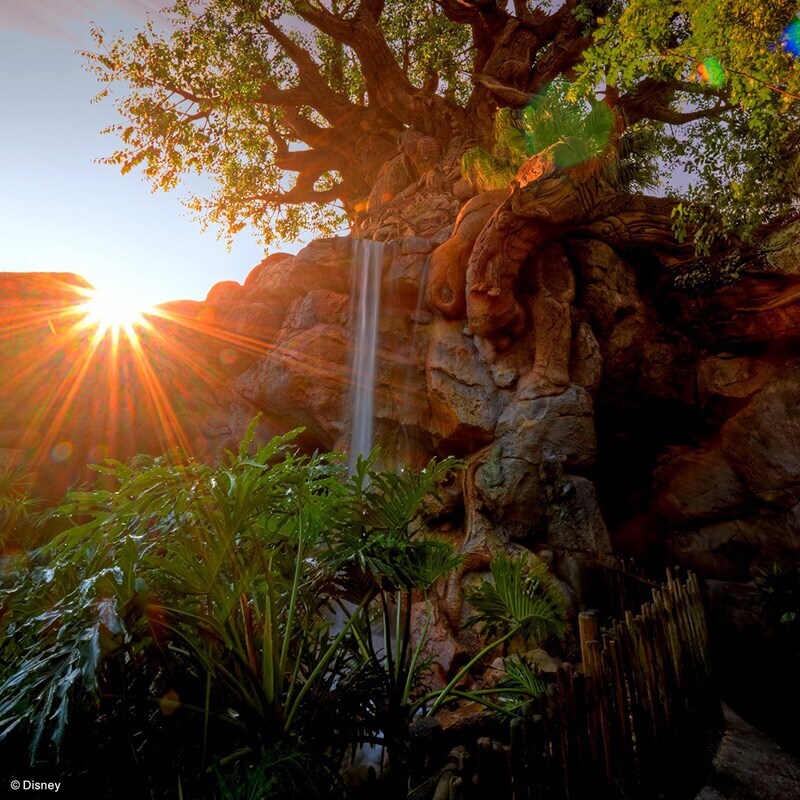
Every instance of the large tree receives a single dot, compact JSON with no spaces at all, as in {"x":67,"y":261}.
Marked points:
{"x":293,"y":106}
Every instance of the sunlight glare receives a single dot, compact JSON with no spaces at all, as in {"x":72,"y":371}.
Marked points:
{"x":113,"y":312}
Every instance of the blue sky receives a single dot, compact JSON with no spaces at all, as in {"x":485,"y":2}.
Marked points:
{"x":60,"y":211}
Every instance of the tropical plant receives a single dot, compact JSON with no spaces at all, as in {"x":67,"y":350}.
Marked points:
{"x":521,"y":598}
{"x":568,"y":134}
{"x":779,"y":586}
{"x":378,"y":565}
{"x":231,"y":603}
{"x":274,"y":774}
{"x":20,"y":513}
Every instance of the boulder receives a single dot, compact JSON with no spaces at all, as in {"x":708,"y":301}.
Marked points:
{"x":318,"y":307}
{"x":731,"y":550}
{"x":609,"y":294}
{"x":323,"y":264}
{"x":586,"y":360}
{"x":696,"y":485}
{"x":762,"y":443}
{"x":224,"y":293}
{"x":575,"y":521}
{"x":558,"y":427}
{"x":258,"y":321}
{"x":303,"y":381}
{"x":255,"y":274}
{"x":731,"y":377}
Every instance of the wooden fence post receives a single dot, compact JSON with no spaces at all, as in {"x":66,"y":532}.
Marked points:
{"x":589,"y":629}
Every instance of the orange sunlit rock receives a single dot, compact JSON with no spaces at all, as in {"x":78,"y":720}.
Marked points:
{"x":84,"y":381}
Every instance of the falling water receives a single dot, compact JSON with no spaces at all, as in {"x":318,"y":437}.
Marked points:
{"x":365,"y":300}
{"x":408,"y":406}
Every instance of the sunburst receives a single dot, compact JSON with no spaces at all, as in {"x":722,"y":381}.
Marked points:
{"x":121,"y":369}
{"x":111,"y":312}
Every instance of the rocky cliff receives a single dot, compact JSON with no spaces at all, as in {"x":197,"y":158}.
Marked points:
{"x":636,"y":408}
{"x":630,"y":406}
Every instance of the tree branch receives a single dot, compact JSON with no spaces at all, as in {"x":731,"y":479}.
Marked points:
{"x":371,"y":9}
{"x":485,"y":19}
{"x":329,"y":103}
{"x":300,"y":195}
{"x":507,"y":94}
{"x":652,"y":98}
{"x":343,"y":30}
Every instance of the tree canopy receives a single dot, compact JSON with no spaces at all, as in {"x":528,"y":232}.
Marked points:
{"x":292,"y":106}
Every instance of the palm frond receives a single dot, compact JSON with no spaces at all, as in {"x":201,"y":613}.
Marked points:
{"x":520,"y":597}
{"x":522,"y":677}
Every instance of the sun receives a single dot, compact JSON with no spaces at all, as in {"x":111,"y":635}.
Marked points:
{"x":113,"y":312}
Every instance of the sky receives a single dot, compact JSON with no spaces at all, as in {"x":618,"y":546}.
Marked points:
{"x":60,"y":211}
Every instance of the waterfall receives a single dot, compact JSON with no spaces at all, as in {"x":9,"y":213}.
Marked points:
{"x":408,"y":404}
{"x":365,"y":301}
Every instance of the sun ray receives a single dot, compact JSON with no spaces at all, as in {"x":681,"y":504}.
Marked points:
{"x":127,"y":380}
{"x":113,"y":312}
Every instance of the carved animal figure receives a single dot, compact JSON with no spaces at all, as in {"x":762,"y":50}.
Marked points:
{"x":552,"y":320}
{"x":422,"y":152}
{"x":446,"y":290}
{"x":392,"y":179}
{"x":482,"y":542}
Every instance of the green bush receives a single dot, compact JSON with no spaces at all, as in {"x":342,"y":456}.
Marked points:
{"x":230,"y":631}
{"x":205,"y":615}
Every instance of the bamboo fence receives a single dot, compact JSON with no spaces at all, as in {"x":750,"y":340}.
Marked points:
{"x":637,"y":717}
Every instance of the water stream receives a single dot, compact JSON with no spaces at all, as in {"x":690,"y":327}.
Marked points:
{"x":365,"y":302}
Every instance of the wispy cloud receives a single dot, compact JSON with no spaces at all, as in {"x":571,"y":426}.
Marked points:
{"x":63,"y":18}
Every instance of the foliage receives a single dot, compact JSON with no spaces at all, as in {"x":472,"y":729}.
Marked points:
{"x":780,"y":593}
{"x":20,"y":513}
{"x":732,"y":84}
{"x":290,"y":106}
{"x":232,"y":604}
{"x":520,"y":599}
{"x":566,"y":133}
{"x":208,"y":97}
{"x":522,"y":677}
{"x":706,"y":273}
{"x":274,"y":775}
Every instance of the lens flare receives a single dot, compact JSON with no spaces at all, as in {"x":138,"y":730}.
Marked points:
{"x":108,"y":311}
{"x":61,"y":452}
{"x":712,"y":73}
{"x":790,"y":38}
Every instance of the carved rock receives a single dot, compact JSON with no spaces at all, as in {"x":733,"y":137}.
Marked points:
{"x":464,"y":404}
{"x":551,"y":310}
{"x":394,"y":176}
{"x":448,"y":268}
{"x":586,"y":360}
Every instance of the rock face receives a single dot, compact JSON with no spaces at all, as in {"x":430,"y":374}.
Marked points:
{"x":613,"y":416}
{"x":615,"y":411}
